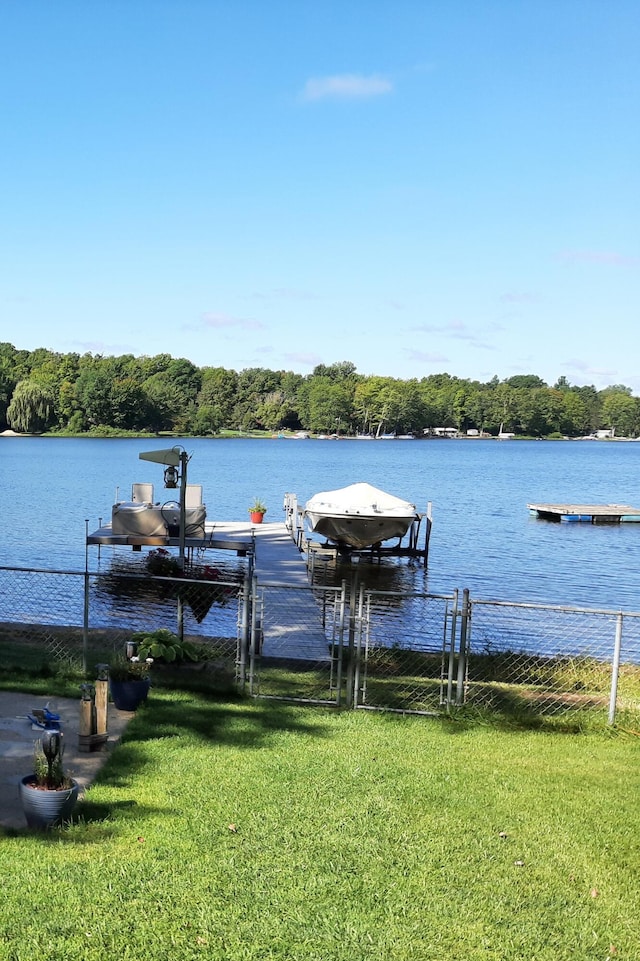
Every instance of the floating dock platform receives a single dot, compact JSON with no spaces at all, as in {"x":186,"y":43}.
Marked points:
{"x":586,"y":513}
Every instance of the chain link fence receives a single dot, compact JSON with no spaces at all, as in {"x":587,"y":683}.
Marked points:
{"x":403,"y":650}
{"x":543,"y":660}
{"x":390,"y":650}
{"x":67,"y":622}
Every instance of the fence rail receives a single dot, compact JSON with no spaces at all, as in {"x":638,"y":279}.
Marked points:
{"x":364,"y":649}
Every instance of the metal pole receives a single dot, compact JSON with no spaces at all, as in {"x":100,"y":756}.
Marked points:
{"x":452,"y":649}
{"x":85,"y":615}
{"x":352,"y":631}
{"x":245,"y":620}
{"x":343,"y":608}
{"x":615,"y":670}
{"x":358,"y":649}
{"x":184,"y":460}
{"x":462,"y":660}
{"x":254,"y":631}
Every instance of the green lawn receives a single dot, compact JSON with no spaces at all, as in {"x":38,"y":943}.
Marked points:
{"x":253,"y":830}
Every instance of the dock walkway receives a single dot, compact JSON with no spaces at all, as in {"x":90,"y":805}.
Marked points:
{"x":292,"y":629}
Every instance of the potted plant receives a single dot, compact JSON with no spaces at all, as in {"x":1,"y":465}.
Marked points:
{"x":129,"y":681}
{"x":49,"y":795}
{"x":164,"y":646}
{"x":257,"y":510}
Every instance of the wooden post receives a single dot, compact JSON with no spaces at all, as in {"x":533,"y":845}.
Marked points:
{"x":87,"y":717}
{"x":92,"y":727}
{"x":102,"y":700}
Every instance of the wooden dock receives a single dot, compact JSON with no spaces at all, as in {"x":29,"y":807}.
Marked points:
{"x":586,"y":513}
{"x":293,"y":630}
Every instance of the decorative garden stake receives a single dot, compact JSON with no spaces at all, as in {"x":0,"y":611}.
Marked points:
{"x":51,"y":744}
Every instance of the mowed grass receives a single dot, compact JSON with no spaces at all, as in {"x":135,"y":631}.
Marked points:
{"x":255,"y":830}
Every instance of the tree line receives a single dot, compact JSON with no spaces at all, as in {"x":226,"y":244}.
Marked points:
{"x":42,"y":390}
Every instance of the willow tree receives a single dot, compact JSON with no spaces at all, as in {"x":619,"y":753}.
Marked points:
{"x":32,"y":407}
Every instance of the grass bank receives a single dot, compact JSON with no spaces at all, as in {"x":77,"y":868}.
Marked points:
{"x":262,"y":831}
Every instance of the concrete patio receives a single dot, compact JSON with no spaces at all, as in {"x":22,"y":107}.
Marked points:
{"x":17,"y":739}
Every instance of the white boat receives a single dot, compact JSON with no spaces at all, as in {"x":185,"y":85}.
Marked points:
{"x":359,"y":515}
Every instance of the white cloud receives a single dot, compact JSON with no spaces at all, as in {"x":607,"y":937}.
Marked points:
{"x":425,"y":357}
{"x":346,"y":86}
{"x":586,"y":368}
{"x":456,"y":330}
{"x":308,"y":360}
{"x":225,"y":321}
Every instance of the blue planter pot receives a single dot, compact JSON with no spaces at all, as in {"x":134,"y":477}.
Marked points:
{"x":46,"y":809}
{"x":128,"y":695}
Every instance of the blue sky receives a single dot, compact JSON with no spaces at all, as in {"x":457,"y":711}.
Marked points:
{"x":416,"y":186}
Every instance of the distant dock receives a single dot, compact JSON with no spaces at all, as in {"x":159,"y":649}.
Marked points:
{"x":586,"y":513}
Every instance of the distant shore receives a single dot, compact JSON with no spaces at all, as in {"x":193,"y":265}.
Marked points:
{"x":270,"y":435}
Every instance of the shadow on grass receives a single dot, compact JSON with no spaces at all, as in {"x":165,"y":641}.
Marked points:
{"x":191,"y":719}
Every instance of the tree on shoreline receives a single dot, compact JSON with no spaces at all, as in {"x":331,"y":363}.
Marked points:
{"x":43,"y":390}
{"x":31,"y":408}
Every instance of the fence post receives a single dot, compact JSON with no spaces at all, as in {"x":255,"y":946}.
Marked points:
{"x":353,"y":593}
{"x":452,"y":650}
{"x":615,"y":670}
{"x":85,"y":624}
{"x":340,"y":645}
{"x":357,"y":652}
{"x":241,"y":673}
{"x":462,"y":661}
{"x":254,"y":632}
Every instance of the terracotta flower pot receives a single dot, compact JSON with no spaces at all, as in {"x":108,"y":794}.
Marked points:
{"x":256,"y":517}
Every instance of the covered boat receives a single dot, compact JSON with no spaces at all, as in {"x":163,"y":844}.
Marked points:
{"x":359,"y":515}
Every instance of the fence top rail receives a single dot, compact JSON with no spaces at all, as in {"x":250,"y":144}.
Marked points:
{"x":41,"y":570}
{"x":183,"y":581}
{"x":419,"y":594}
{"x":565,"y":608}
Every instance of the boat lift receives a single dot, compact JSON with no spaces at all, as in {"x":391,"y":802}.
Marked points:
{"x":415,"y":544}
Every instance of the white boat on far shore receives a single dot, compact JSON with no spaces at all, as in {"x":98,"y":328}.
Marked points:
{"x":359,"y":516}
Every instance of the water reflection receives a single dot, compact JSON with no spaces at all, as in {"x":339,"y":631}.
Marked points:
{"x":126,"y":594}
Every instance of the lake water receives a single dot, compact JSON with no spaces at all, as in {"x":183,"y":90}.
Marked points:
{"x":483,"y":537}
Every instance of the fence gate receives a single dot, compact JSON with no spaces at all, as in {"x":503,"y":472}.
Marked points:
{"x":408,"y":655}
{"x":296,"y":643}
